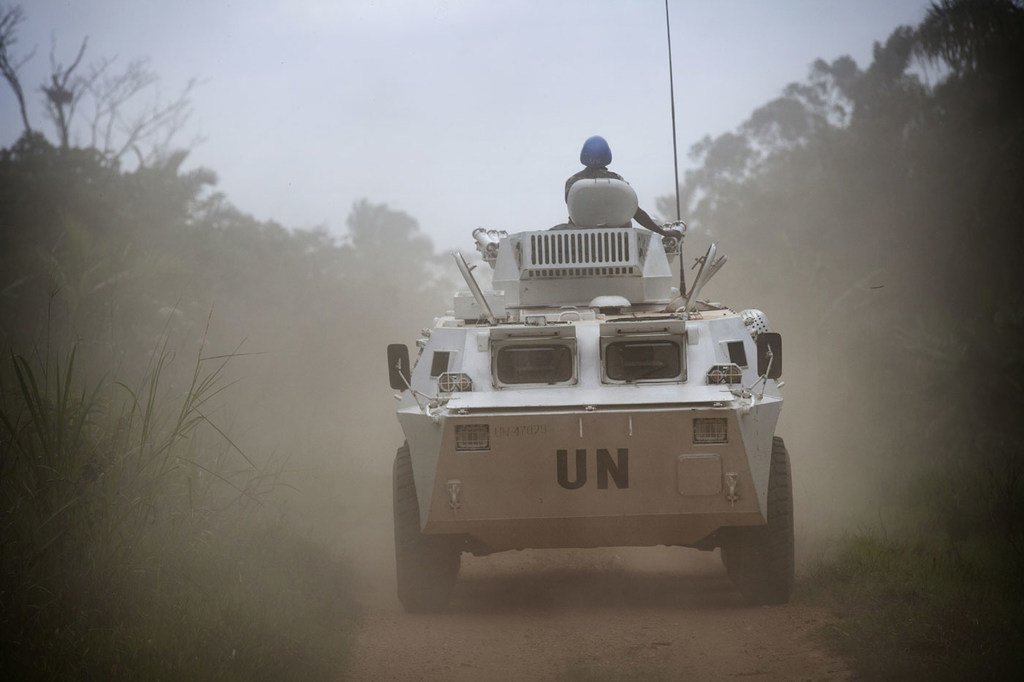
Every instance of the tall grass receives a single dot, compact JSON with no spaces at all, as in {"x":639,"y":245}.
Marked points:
{"x":917,"y":606}
{"x":139,"y":540}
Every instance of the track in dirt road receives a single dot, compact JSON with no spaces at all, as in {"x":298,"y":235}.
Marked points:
{"x":608,"y":614}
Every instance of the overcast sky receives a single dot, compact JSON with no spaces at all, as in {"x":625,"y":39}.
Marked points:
{"x":462,"y":113}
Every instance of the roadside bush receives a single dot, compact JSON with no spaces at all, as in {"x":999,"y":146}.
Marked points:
{"x":140,"y":542}
{"x":918,"y":608}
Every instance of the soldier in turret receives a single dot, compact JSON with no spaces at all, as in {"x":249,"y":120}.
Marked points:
{"x":596,"y":155}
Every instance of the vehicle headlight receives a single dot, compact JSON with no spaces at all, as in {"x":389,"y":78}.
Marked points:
{"x":725,"y":374}
{"x":450,"y":382}
{"x":472,"y":437}
{"x":710,"y":430}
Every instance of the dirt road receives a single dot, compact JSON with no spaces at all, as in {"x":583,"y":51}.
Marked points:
{"x":610,"y":614}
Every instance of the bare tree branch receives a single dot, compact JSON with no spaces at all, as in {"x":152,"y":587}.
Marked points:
{"x":10,"y":19}
{"x":96,"y":73}
{"x":110,"y":93}
{"x":115,"y":132}
{"x":63,"y":94}
{"x":118,"y":122}
{"x":159,"y":123}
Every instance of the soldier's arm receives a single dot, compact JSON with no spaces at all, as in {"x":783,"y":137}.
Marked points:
{"x":646,"y":221}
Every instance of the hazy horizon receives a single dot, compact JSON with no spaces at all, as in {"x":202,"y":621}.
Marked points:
{"x":459,"y":113}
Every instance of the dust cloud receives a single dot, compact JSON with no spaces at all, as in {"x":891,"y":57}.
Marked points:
{"x":348,"y":433}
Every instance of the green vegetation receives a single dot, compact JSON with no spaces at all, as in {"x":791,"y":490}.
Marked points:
{"x":151,"y":504}
{"x":912,"y":611}
{"x":182,"y":441}
{"x":880,"y":211}
{"x":137,"y":546}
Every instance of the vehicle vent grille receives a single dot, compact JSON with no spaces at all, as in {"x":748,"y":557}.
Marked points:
{"x":544,"y":273}
{"x":582,"y":247}
{"x":583,"y":253}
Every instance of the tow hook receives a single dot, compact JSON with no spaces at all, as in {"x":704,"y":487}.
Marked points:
{"x":731,"y":480}
{"x":454,"y":493}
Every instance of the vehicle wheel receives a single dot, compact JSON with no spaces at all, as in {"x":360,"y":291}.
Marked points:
{"x":759,"y":560}
{"x":426,"y":565}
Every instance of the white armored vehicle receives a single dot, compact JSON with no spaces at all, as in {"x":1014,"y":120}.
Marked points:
{"x":590,"y":400}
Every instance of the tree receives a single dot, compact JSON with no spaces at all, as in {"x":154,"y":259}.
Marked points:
{"x":10,"y":19}
{"x":974,"y":36}
{"x":117,"y":123}
{"x":63,"y":93}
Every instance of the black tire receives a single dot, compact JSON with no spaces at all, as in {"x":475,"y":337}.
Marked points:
{"x":426,"y":566}
{"x":760,"y":560}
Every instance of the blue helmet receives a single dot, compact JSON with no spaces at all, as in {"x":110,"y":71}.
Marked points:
{"x":596,"y":152}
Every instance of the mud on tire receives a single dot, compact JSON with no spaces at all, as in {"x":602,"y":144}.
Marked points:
{"x":426,"y":566}
{"x":760,"y":560}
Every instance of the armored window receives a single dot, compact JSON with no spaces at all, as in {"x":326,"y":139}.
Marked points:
{"x":534,"y":364}
{"x":643,"y":360}
{"x":737,"y":353}
{"x":439,"y":363}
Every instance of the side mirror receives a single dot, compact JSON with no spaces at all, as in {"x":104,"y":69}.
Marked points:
{"x":769,"y":354}
{"x":398,"y":366}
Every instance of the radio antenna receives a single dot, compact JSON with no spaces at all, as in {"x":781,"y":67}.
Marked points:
{"x":672,"y":96}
